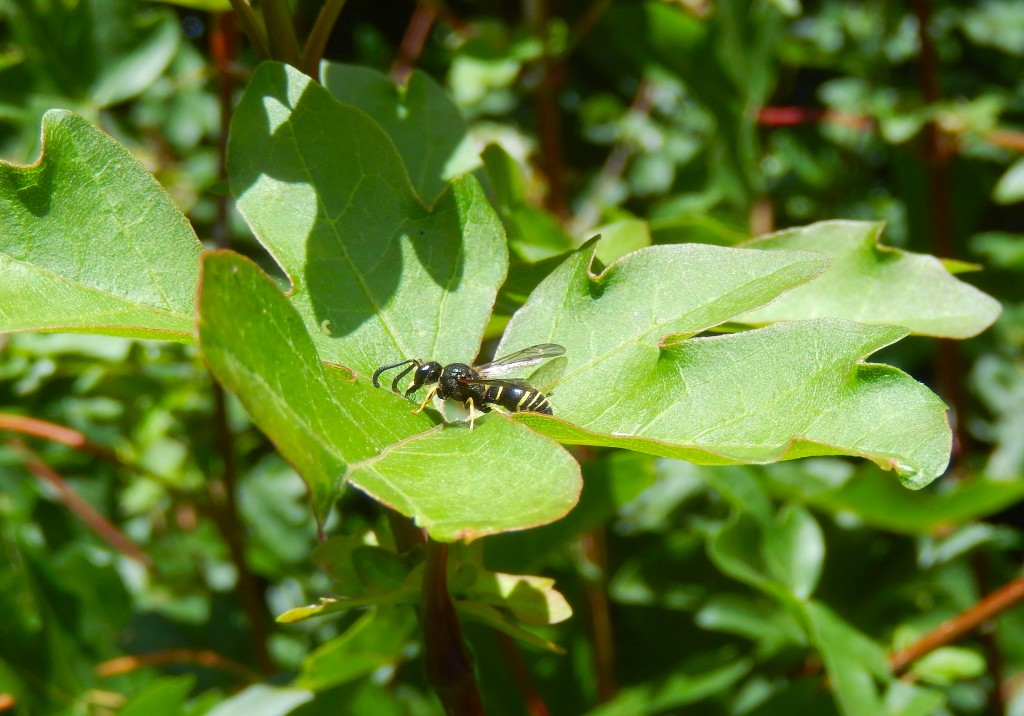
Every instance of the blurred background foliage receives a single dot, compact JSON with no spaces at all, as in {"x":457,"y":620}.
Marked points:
{"x":686,"y":121}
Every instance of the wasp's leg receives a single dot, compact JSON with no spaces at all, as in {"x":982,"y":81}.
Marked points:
{"x":430,"y":396}
{"x":472,"y":413}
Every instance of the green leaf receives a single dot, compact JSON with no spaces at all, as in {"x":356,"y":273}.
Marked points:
{"x":262,"y":700}
{"x":1010,"y":187}
{"x":533,"y":233}
{"x":336,"y":429}
{"x":421,"y":118}
{"x":877,"y":502}
{"x":794,"y":550}
{"x":675,"y":691}
{"x":533,"y":600}
{"x":90,"y":243}
{"x":903,"y":699}
{"x":375,"y":275}
{"x":493,"y":618}
{"x":620,"y":238}
{"x":102,"y":51}
{"x":852,"y":661}
{"x":789,"y":390}
{"x":164,"y":697}
{"x":950,"y":664}
{"x":736,"y":549}
{"x":876,"y":284}
{"x":376,"y":640}
{"x":771,"y":628}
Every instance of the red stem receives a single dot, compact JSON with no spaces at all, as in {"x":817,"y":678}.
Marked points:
{"x":959,"y":626}
{"x":449,"y":666}
{"x":92,"y":518}
{"x":414,"y":40}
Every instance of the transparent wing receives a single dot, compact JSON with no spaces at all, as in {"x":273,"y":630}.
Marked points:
{"x":519,"y":360}
{"x":497,"y":382}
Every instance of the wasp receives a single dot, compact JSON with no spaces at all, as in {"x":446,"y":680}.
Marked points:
{"x":478,"y":386}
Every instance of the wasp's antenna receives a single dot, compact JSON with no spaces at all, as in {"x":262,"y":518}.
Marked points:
{"x":394,"y":384}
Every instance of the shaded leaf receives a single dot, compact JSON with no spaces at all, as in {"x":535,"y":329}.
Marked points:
{"x":878,"y":502}
{"x":493,"y":618}
{"x":105,"y":51}
{"x":421,"y":118}
{"x":165,"y":697}
{"x":852,"y":661}
{"x":877,"y":284}
{"x":89,"y":242}
{"x":374,"y":641}
{"x":675,"y":691}
{"x":375,"y":276}
{"x":794,"y":550}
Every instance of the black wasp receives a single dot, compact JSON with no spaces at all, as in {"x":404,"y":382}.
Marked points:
{"x":478,"y":386}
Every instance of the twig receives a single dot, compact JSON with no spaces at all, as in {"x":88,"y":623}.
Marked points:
{"x":226,"y":517}
{"x":534,"y":704}
{"x":415,"y":38}
{"x":549,"y":117}
{"x":251,"y":27}
{"x":58,"y":434}
{"x":202,"y":657}
{"x":95,"y":521}
{"x":449,"y":667}
{"x":599,"y":620}
{"x":320,"y":33}
{"x":223,"y":46}
{"x":959,"y":626}
{"x":280,"y":25}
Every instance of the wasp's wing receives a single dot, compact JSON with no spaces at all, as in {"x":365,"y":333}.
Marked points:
{"x":519,"y":360}
{"x":497,"y":382}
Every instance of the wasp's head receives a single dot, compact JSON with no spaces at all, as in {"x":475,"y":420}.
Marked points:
{"x":426,"y":373}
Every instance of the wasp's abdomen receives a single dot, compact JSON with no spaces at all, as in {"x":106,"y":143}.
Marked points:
{"x":517,"y":398}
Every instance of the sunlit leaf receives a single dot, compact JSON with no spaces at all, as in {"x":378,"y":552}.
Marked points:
{"x":336,"y":429}
{"x":420,"y":117}
{"x":634,"y":378}
{"x":89,"y":242}
{"x":376,"y":276}
{"x":875,"y":284}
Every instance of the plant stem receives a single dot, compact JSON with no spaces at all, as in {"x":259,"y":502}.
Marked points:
{"x":411,"y":47}
{"x":549,"y":117}
{"x":79,"y":506}
{"x":313,"y":52}
{"x":225,"y":516}
{"x":251,"y":27}
{"x":951,"y":630}
{"x":599,"y":622}
{"x":223,"y":45}
{"x":449,"y":666}
{"x":284,"y":44}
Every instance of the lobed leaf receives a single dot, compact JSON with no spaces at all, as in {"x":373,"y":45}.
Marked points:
{"x":420,"y":117}
{"x":90,"y":243}
{"x":335,"y":428}
{"x":376,"y":276}
{"x":876,"y":284}
{"x":790,"y":390}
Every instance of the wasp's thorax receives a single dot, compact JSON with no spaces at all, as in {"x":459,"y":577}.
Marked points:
{"x":452,"y":383}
